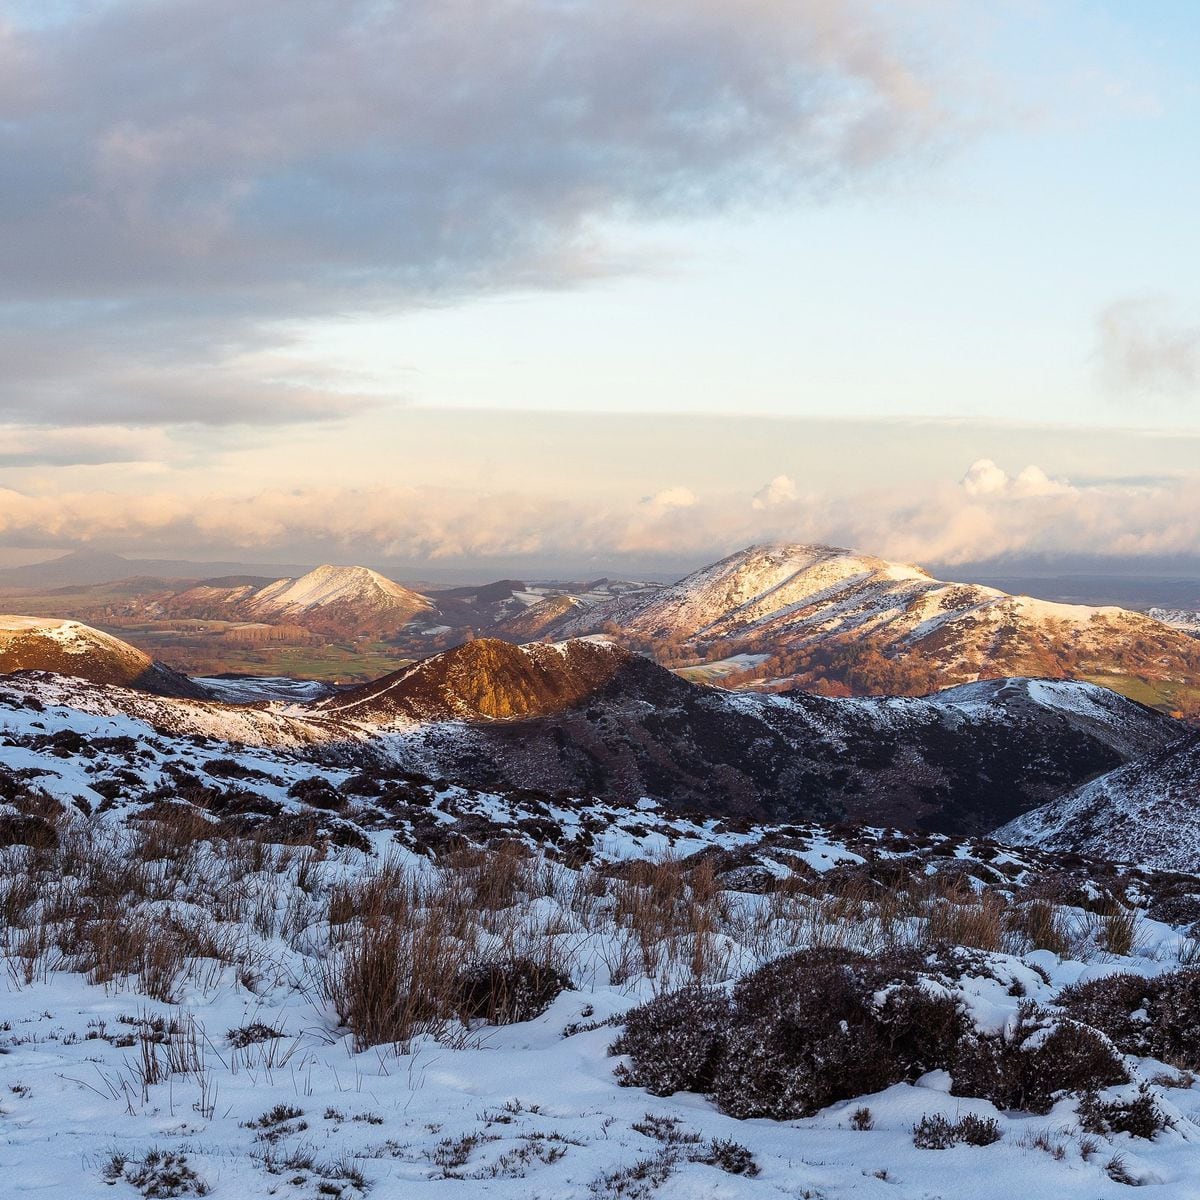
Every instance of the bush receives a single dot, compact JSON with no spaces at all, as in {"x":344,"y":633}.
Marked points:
{"x":729,"y":1156}
{"x":940,"y":1133}
{"x":1140,"y":1117}
{"x":317,"y":792}
{"x":506,"y":991}
{"x":1151,"y":1018}
{"x":675,"y":1042}
{"x":1034,"y":1061}
{"x":824,"y":1025}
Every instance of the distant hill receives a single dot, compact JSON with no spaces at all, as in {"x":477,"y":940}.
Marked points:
{"x":94,"y":566}
{"x":843,"y":622}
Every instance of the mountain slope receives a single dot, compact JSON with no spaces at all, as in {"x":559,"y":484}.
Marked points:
{"x":485,"y":678}
{"x":587,"y":717}
{"x":70,"y":648}
{"x":836,"y":620}
{"x":1147,"y":811}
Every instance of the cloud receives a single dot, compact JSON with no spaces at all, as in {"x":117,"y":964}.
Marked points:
{"x":80,"y":446}
{"x":177,"y":179}
{"x":673,"y":497}
{"x":985,"y":478}
{"x":1144,"y":349}
{"x":941,"y":523}
{"x":781,"y":490}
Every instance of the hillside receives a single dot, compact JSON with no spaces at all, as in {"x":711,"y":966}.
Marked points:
{"x":245,"y":974}
{"x":1147,"y":811}
{"x":836,"y":621}
{"x":585,"y":716}
{"x":485,"y":678}
{"x":70,"y":648}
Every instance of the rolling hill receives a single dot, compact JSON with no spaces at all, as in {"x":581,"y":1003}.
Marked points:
{"x":841,"y":622}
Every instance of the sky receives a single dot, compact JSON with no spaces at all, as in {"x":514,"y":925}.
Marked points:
{"x":592,"y":285}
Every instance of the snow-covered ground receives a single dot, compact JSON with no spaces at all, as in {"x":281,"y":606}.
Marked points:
{"x":96,"y":1090}
{"x":179,"y":915}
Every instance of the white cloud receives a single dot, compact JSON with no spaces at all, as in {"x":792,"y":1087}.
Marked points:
{"x":941,"y":523}
{"x":985,"y":478}
{"x":781,"y":490}
{"x":672,"y":497}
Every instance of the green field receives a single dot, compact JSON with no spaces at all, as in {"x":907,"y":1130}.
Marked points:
{"x":1164,"y":694}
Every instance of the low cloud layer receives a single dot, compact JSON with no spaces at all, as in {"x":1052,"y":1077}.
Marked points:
{"x":177,"y":179}
{"x":1025,"y":513}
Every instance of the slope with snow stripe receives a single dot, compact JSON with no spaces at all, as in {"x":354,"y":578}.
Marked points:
{"x":824,"y":616}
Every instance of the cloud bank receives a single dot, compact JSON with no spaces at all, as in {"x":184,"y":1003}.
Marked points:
{"x":1026,"y":513}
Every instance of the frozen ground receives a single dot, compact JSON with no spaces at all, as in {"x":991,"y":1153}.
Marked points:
{"x":180,"y":914}
{"x":97,"y":1079}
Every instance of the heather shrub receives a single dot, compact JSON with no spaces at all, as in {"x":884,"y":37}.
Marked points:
{"x":937,"y":1132}
{"x":1034,"y":1061}
{"x":1139,"y":1117}
{"x":675,"y":1042}
{"x":506,"y":991}
{"x":318,"y":792}
{"x":824,"y":1025}
{"x":1153,"y":1018}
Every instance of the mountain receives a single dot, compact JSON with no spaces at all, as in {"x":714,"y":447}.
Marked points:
{"x":1147,"y":811}
{"x":70,"y":648}
{"x":837,"y":620}
{"x":586,"y":717}
{"x":486,"y":679}
{"x":338,"y":601}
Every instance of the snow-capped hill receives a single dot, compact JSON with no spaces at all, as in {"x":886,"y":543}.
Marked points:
{"x":827,"y":617}
{"x":485,"y":678}
{"x":74,"y":649}
{"x":329,"y":585}
{"x":1146,"y":811}
{"x":752,"y":588}
{"x":330,"y":600}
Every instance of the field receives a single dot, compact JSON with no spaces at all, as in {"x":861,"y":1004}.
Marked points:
{"x":1170,"y":696}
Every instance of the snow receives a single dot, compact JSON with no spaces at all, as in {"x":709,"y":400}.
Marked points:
{"x":532,"y":1110}
{"x":511,"y":1112}
{"x":252,"y":689}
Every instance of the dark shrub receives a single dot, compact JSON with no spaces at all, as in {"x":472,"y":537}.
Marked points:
{"x":729,"y":1156}
{"x":506,"y":991}
{"x":940,"y":1133}
{"x":1035,"y":1061}
{"x":27,"y":831}
{"x":249,"y":1035}
{"x":1154,"y":1018}
{"x":318,"y":792}
{"x":1140,"y":1117}
{"x":825,"y":1025}
{"x":675,"y":1041}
